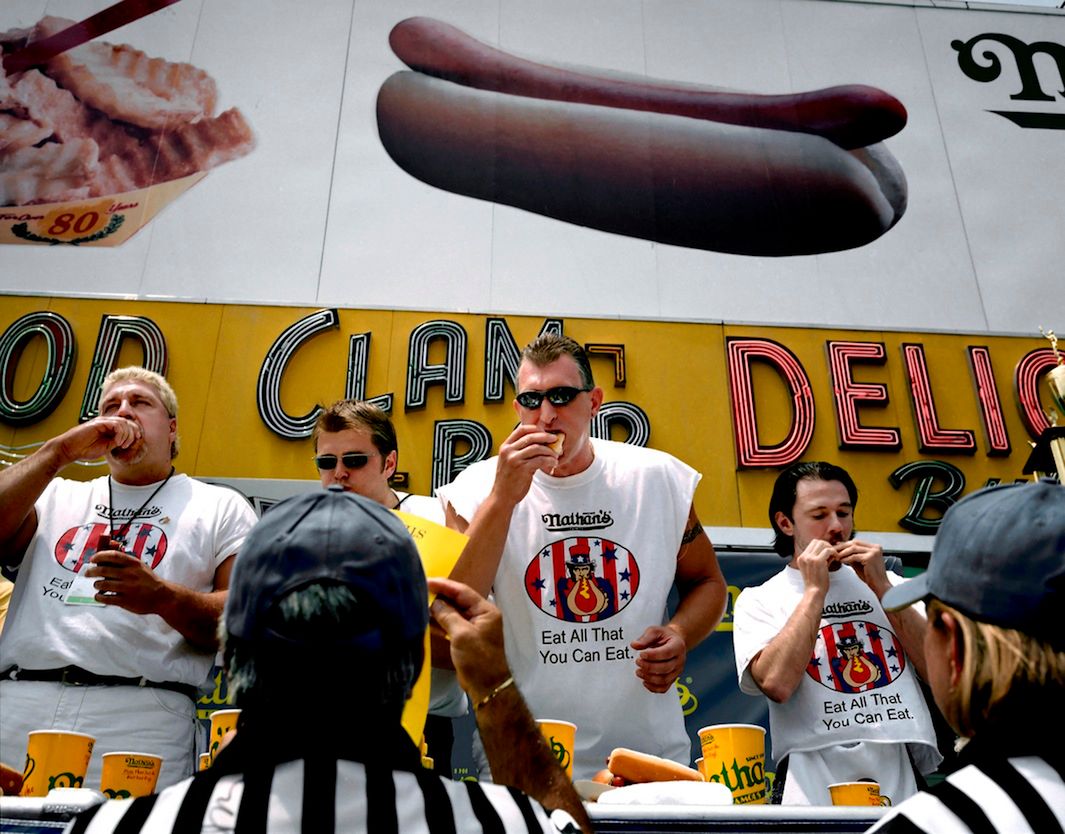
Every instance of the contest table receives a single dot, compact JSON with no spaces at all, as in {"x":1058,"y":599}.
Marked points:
{"x":695,"y":819}
{"x":25,"y":815}
{"x":33,"y":814}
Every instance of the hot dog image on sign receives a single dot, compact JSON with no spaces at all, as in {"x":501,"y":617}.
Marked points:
{"x":702,"y":168}
{"x":582,"y":579}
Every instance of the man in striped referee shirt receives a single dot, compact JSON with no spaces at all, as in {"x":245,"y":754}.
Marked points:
{"x":329,"y":597}
{"x":995,"y":654}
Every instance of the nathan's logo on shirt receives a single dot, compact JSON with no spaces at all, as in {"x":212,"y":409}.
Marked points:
{"x":846,"y":609}
{"x":582,"y":579}
{"x":563,"y":522}
{"x":124,"y":514}
{"x":79,"y":544}
{"x":856,"y":656}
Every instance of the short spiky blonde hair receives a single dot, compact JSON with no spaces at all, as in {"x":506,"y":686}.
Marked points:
{"x":135,"y":373}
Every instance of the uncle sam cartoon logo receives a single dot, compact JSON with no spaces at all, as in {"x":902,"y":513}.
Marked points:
{"x":856,"y":656}
{"x":582,"y":579}
{"x":79,"y":544}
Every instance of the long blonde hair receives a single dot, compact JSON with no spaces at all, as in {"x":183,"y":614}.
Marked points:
{"x":1006,"y":675}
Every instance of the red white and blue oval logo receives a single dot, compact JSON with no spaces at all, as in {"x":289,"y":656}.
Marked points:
{"x":582,"y":579}
{"x":856,"y":656}
{"x":79,"y":544}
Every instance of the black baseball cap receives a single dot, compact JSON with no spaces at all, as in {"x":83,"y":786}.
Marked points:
{"x":999,"y":557}
{"x":337,"y":537}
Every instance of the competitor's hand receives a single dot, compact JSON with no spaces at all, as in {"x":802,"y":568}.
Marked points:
{"x":815,"y":562}
{"x":523,"y":453}
{"x":662,"y":653}
{"x":95,"y":438}
{"x":10,"y":780}
{"x":125,"y":581}
{"x":868,"y":562}
{"x":475,"y":628}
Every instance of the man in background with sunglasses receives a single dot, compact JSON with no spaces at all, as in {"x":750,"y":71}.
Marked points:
{"x":355,"y":448}
{"x":602,"y":654}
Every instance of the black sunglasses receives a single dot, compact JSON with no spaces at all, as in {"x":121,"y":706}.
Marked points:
{"x":352,"y":460}
{"x":555,"y":396}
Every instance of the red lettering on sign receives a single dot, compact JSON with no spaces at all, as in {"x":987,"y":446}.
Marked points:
{"x":749,"y":452}
{"x":998,"y":439}
{"x":850,"y":394}
{"x":1029,"y":370}
{"x":932,"y":436}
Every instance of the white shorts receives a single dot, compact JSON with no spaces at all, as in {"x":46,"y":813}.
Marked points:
{"x":138,"y":719}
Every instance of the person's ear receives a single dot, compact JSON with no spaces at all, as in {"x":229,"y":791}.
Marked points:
{"x":597,"y":399}
{"x":784,"y":523}
{"x":950,"y":625}
{"x":391,"y":459}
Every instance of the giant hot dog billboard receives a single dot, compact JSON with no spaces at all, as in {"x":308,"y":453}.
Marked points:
{"x":785,"y":227}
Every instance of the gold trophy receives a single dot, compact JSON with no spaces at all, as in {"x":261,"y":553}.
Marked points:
{"x":1053,"y":439}
{"x":1056,"y":381}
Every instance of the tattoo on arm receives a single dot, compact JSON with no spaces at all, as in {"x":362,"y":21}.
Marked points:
{"x":691,"y":534}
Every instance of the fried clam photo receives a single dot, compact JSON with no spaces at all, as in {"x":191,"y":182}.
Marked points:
{"x":105,"y":119}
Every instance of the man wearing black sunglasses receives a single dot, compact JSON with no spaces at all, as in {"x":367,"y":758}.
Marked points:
{"x":355,"y":448}
{"x":609,"y":667}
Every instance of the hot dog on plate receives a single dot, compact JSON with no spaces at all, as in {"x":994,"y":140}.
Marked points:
{"x":633,"y":766}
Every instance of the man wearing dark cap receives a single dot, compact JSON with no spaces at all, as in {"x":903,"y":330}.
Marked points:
{"x":839,"y":673}
{"x":330,"y":586}
{"x":995,"y":650}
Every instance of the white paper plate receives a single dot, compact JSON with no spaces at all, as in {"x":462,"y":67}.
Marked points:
{"x":670,"y":793}
{"x":590,"y":791}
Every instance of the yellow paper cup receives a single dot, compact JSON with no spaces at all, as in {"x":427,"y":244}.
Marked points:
{"x":55,"y":759}
{"x":857,"y":793}
{"x":205,"y":761}
{"x":127,"y":774}
{"x":560,"y":735}
{"x":222,"y":721}
{"x":700,"y":765}
{"x":734,"y":756}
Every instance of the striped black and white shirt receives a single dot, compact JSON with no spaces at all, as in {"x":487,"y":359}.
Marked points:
{"x":1009,"y":795}
{"x":320,"y":795}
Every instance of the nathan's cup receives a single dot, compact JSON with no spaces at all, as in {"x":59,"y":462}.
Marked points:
{"x":223,"y":721}
{"x":55,"y":759}
{"x":857,"y":793}
{"x":126,"y":775}
{"x":734,"y":755}
{"x":560,"y":735}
